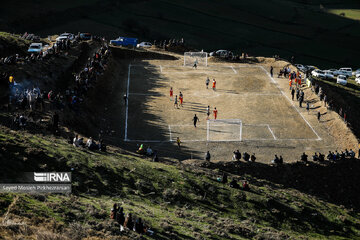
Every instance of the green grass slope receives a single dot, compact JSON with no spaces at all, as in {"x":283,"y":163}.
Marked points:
{"x":178,"y":201}
{"x":286,"y":28}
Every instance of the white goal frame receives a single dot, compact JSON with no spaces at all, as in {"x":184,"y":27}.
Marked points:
{"x":223,"y":122}
{"x":197,"y":55}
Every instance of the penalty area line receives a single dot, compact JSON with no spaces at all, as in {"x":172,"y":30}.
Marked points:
{"x":271,"y":131}
{"x":233,"y":69}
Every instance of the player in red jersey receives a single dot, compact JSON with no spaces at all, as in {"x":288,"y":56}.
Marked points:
{"x":171,"y":93}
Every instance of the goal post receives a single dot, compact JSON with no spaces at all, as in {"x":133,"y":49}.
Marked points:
{"x":200,"y":58}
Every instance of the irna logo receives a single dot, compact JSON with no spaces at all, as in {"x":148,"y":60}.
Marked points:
{"x":52,"y":177}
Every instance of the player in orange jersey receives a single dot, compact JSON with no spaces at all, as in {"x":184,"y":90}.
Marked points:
{"x":215,"y":113}
{"x":181,"y":98}
{"x":214,"y":84}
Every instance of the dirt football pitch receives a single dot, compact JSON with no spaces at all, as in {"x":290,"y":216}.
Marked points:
{"x":255,"y":112}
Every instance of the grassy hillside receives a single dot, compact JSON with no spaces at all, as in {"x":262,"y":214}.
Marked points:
{"x":286,"y":28}
{"x":177,"y":201}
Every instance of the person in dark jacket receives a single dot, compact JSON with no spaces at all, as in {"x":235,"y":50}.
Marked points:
{"x":129,"y":222}
{"x":120,"y":217}
{"x":139,"y":227}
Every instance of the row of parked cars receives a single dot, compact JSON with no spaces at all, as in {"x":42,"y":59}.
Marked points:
{"x":341,"y":74}
{"x":39,"y":47}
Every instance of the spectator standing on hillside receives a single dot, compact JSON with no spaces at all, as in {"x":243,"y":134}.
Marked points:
{"x":307,"y":107}
{"x":128,"y":223}
{"x":271,"y":71}
{"x":318,"y":116}
{"x":207,"y":156}
{"x":139,"y":227}
{"x":292,"y":93}
{"x":297,"y":94}
{"x":120,"y":217}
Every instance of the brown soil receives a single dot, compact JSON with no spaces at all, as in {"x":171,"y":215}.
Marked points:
{"x":249,"y":95}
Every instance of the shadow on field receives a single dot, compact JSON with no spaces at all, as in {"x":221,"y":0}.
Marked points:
{"x":336,"y":182}
{"x":107,"y":107}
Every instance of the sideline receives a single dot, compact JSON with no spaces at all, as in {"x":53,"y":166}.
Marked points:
{"x":291,"y":102}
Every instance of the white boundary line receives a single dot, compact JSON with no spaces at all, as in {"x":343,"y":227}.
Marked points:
{"x":271,"y":131}
{"x":147,"y":94}
{"x":277,"y":85}
{"x":218,"y":94}
{"x":233,"y":69}
{"x":170,"y":133}
{"x":240,"y":137}
{"x":235,"y":140}
{"x":127,"y":104}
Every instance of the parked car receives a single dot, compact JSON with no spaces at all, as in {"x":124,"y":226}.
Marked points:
{"x":85,"y":36}
{"x":221,"y":53}
{"x":35,"y":48}
{"x":357,"y":79}
{"x":344,"y":71}
{"x":357,"y":72}
{"x":144,"y":45}
{"x":341,"y":79}
{"x":328,"y":74}
{"x":321,"y":74}
{"x":310,"y":68}
{"x":124,"y":41}
{"x":69,"y":36}
{"x":301,"y":67}
{"x":332,"y":71}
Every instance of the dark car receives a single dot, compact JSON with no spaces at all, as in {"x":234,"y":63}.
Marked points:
{"x":85,"y":36}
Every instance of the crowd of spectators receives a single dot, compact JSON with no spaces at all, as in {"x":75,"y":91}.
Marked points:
{"x":25,"y":95}
{"x":169,"y":43}
{"x":128,"y":223}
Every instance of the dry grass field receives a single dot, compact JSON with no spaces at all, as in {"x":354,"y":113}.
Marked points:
{"x":255,"y":112}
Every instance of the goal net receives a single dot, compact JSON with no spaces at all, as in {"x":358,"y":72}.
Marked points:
{"x":200,"y":58}
{"x":224,"y":130}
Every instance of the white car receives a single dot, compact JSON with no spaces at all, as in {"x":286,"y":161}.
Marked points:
{"x":341,"y":79}
{"x":357,"y":72}
{"x":35,"y":48}
{"x":310,"y":68}
{"x":69,"y":36}
{"x":144,"y":45}
{"x":328,"y":74}
{"x":221,"y":53}
{"x":357,"y":78}
{"x":321,"y":74}
{"x":344,"y":71}
{"x":301,"y":67}
{"x":332,"y":71}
